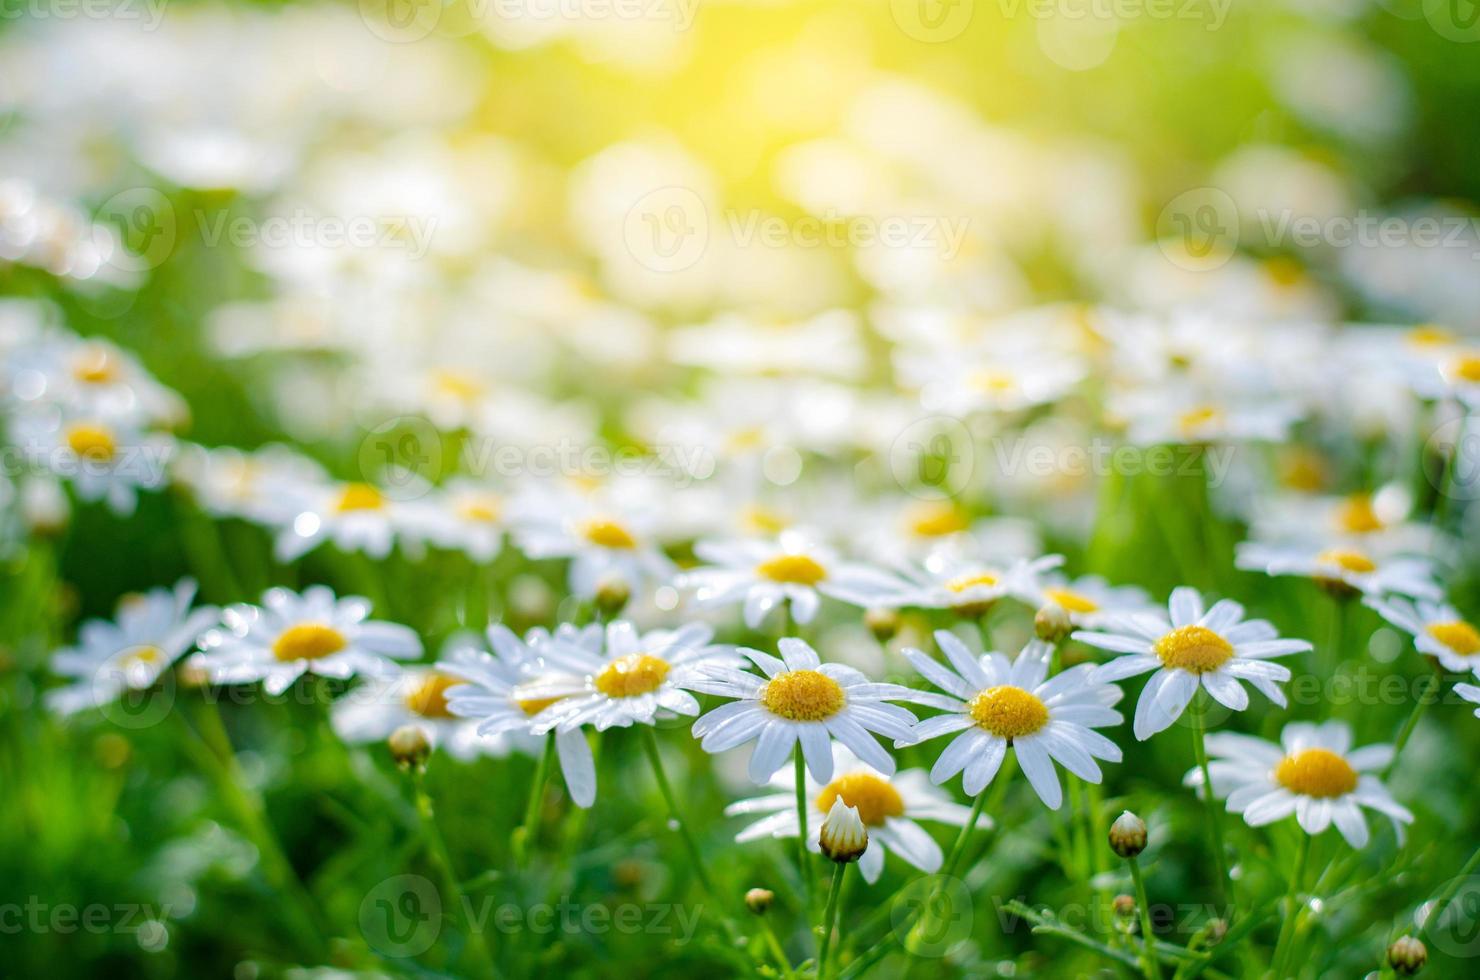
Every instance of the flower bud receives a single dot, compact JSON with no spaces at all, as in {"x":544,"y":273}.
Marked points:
{"x":843,"y":837}
{"x":1216,"y":930}
{"x":1051,"y":623}
{"x":1128,"y":835}
{"x":612,"y":593}
{"x":1125,"y":906}
{"x":409,"y":746}
{"x":1407,"y":956}
{"x":883,"y":623}
{"x":759,"y":900}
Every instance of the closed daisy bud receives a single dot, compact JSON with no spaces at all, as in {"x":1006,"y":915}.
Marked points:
{"x":1125,"y":906}
{"x":1128,"y":835}
{"x":843,"y":838}
{"x":612,"y":593}
{"x":1216,"y":930}
{"x":1407,"y":956}
{"x":883,"y":623}
{"x":409,"y":746}
{"x":759,"y":900}
{"x":1052,"y":623}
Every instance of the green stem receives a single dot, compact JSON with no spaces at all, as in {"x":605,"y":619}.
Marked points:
{"x":1215,"y":816}
{"x":442,"y":858}
{"x":829,"y":919}
{"x":775,"y":944}
{"x":1148,"y":937}
{"x":526,"y":832}
{"x":1420,"y":706}
{"x":804,"y":863}
{"x":1446,"y":896}
{"x":1292,"y":905}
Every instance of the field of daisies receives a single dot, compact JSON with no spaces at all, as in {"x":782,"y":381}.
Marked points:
{"x":809,"y":490}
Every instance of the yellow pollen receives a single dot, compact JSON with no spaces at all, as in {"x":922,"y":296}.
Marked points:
{"x":1430,"y":335}
{"x":307,"y":641}
{"x":1284,"y":271}
{"x":1316,"y":772}
{"x":608,"y":534}
{"x":482,"y":510}
{"x":1071,"y":601}
{"x":791,"y":569}
{"x":91,"y":441}
{"x":802,"y":695}
{"x":141,"y":655}
{"x":935,"y":520}
{"x":994,"y":382}
{"x":1008,"y":712}
{"x":758,"y":518}
{"x":1355,"y":515}
{"x":96,"y":366}
{"x":429,"y":699}
{"x":1458,"y":636}
{"x":1195,"y":649}
{"x":634,"y":674}
{"x":963,"y":583}
{"x":1194,"y":420}
{"x":359,"y":496}
{"x":1466,"y":368}
{"x":533,"y":706}
{"x":1351,"y":561}
{"x":874,"y":797}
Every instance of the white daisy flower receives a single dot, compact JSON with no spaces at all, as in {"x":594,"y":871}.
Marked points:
{"x":293,"y":634}
{"x":503,"y":693}
{"x":254,"y":486}
{"x":996,"y":703}
{"x":1373,"y":523}
{"x":891,"y":808}
{"x":1437,"y":628}
{"x":1178,"y":413}
{"x":418,"y":696}
{"x":603,"y":535}
{"x":950,"y":580}
{"x":1088,"y":600}
{"x":462,"y":515}
{"x":802,"y":700}
{"x":637,"y":678}
{"x":1213,"y":650}
{"x":131,"y":652}
{"x":94,"y":378}
{"x":794,"y":569}
{"x":1344,"y":569}
{"x":1313,"y":773}
{"x":104,"y":459}
{"x":354,"y":516}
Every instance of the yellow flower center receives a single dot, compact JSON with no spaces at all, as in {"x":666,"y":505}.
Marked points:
{"x":1458,"y":636}
{"x":533,"y":706}
{"x":936,"y":520}
{"x":1071,"y":601}
{"x":994,"y":382}
{"x":1466,"y":368}
{"x":139,"y":656}
{"x":1316,"y":772}
{"x":1008,"y":712}
{"x":1284,"y":271}
{"x":1198,"y":418}
{"x":791,"y":569}
{"x":1195,"y":649}
{"x":308,"y":641}
{"x":1356,"y":515}
{"x":1430,"y":335}
{"x":359,"y":496}
{"x":480,"y":509}
{"x":95,"y":365}
{"x":802,"y":695}
{"x":91,"y":441}
{"x":1351,"y":561}
{"x":458,"y":386}
{"x":874,"y":797}
{"x":606,"y":533}
{"x":763,"y":519}
{"x":964,"y":583}
{"x":634,"y":674}
{"x":429,"y":699}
